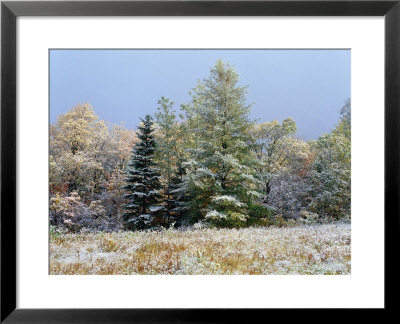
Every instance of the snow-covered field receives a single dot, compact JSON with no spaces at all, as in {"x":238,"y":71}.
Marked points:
{"x":306,"y":249}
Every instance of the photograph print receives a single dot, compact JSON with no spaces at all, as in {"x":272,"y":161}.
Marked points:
{"x":201,"y":161}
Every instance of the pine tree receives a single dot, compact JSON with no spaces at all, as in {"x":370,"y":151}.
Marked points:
{"x":221,"y":180}
{"x":143,"y":181}
{"x":170,"y":156}
{"x":166,"y":151}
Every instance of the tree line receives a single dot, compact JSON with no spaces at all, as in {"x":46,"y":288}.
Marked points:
{"x":208,"y":164}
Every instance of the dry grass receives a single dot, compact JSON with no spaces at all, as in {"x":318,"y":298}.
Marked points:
{"x":313,"y":249}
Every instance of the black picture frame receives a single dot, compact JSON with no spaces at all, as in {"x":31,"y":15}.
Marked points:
{"x":10,"y":10}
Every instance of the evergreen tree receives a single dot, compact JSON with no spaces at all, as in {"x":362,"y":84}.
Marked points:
{"x":221,"y":180}
{"x":143,"y":181}
{"x":167,"y":156}
{"x":344,"y":126}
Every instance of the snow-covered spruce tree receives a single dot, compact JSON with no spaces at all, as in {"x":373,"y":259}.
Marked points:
{"x":143,"y":181}
{"x":221,"y":168}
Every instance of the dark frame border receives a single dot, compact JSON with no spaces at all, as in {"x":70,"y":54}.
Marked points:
{"x":10,"y":10}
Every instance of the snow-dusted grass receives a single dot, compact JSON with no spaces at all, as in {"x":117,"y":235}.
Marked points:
{"x":307,"y":249}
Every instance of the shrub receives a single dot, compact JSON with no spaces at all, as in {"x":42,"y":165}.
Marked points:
{"x":67,"y":211}
{"x":308,"y":217}
{"x":71,"y":213}
{"x":236,"y":220}
{"x":279,"y":220}
{"x":259,"y":214}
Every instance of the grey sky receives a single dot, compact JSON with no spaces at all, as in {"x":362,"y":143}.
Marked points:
{"x":123,"y":85}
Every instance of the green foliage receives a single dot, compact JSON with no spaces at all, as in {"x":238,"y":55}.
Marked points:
{"x":259,"y":214}
{"x":220,"y":179}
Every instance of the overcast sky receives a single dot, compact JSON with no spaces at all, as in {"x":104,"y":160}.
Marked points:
{"x":123,"y":85}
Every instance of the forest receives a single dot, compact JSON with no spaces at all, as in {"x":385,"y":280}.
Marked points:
{"x":202,"y":164}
